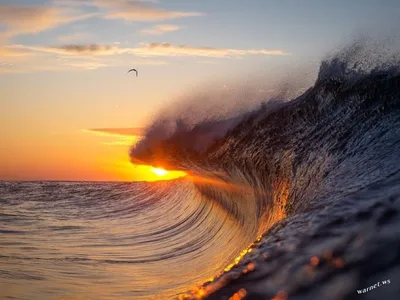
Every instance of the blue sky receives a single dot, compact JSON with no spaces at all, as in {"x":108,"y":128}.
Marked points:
{"x":304,"y":29}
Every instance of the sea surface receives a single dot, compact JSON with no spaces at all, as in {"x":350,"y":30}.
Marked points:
{"x":299,"y":200}
{"x":67,"y":240}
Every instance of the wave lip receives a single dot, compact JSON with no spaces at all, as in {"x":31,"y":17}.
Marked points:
{"x":177,"y":142}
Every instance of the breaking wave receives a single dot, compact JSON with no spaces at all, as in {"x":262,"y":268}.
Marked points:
{"x":292,"y":193}
{"x":270,"y":164}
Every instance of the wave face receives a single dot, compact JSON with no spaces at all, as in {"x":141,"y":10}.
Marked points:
{"x":316,"y":179}
{"x":111,"y":240}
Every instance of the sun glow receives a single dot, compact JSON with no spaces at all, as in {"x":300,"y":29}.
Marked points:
{"x":159,"y":171}
{"x":133,"y":172}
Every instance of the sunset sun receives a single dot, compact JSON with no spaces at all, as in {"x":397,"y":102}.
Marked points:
{"x":159,"y":171}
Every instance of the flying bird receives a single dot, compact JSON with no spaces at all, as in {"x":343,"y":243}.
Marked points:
{"x":133,"y":70}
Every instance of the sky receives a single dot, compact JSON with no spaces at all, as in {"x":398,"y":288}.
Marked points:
{"x":69,"y":110}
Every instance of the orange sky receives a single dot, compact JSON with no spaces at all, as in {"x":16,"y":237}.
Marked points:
{"x":82,"y":155}
{"x":63,"y":70}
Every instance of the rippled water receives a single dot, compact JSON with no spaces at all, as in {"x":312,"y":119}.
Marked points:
{"x":110,"y":240}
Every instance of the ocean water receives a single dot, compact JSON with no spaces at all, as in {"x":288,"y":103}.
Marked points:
{"x":67,"y":240}
{"x":299,"y":200}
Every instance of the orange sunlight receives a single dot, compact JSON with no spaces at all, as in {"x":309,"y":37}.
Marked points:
{"x":116,"y":164}
{"x":159,"y":171}
{"x":150,"y":173}
{"x":82,"y":155}
{"x":162,"y":174}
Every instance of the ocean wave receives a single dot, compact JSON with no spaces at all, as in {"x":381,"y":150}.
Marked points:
{"x":298,"y":162}
{"x":291,"y":198}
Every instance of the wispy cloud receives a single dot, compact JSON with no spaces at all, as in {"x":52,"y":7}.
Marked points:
{"x":117,"y":131}
{"x":130,"y":10}
{"x":14,"y":60}
{"x":118,"y":136}
{"x":85,"y":49}
{"x":166,"y":49}
{"x":6,"y":67}
{"x":159,"y":29}
{"x":10,"y":58}
{"x":152,"y":49}
{"x":6,"y":51}
{"x":33,"y":19}
{"x":24,"y":59}
{"x":72,"y":57}
{"x":139,"y":11}
{"x":72,"y":49}
{"x":36,"y":67}
{"x":72,"y":3}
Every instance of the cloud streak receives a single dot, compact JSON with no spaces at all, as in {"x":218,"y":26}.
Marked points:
{"x":166,"y":49}
{"x":72,"y":57}
{"x":6,"y":51}
{"x":159,"y":29}
{"x":33,"y":19}
{"x":139,"y":11}
{"x":117,"y":131}
{"x":129,"y":10}
{"x":26,"y":59}
{"x":71,"y":49}
{"x":85,"y":49}
{"x":152,"y":49}
{"x":120,"y":136}
{"x":86,"y":65}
